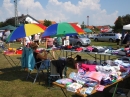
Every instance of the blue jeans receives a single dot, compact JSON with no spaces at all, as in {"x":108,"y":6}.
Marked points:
{"x":45,"y":64}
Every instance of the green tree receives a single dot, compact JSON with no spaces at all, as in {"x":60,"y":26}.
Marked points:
{"x":126,"y":19}
{"x":9,"y":21}
{"x":118,"y":24}
{"x":83,"y":25}
{"x":1,"y":24}
{"x":47,"y":23}
{"x":95,"y":29}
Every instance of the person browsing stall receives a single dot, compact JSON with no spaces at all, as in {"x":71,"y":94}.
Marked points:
{"x":118,"y":38}
{"x":66,"y":41}
{"x":27,"y":41}
{"x":49,"y":44}
{"x":36,"y":38}
{"x":6,"y":34}
{"x":38,"y":57}
{"x":58,"y":42}
{"x":126,"y":37}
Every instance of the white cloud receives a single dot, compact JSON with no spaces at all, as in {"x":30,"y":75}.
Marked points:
{"x":61,"y":11}
{"x":103,"y":18}
{"x":6,"y":10}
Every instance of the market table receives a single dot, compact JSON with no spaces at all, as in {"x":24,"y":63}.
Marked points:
{"x":11,"y":60}
{"x":94,"y":91}
{"x":92,"y":54}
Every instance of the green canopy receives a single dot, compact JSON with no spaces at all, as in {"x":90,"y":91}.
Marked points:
{"x":9,"y":27}
{"x":87,"y":30}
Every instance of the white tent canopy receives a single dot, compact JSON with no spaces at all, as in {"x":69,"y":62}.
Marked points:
{"x":126,"y":27}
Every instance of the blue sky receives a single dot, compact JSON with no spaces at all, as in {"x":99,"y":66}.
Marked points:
{"x":100,"y":12}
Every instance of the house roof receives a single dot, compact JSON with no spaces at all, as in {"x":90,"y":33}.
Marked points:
{"x":23,"y":17}
{"x":42,"y":21}
{"x":99,"y":27}
{"x":53,"y":22}
{"x":90,"y":27}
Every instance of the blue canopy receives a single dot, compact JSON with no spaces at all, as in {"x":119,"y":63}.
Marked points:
{"x":87,"y":30}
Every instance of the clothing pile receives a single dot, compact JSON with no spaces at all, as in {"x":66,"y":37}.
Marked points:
{"x":89,"y":77}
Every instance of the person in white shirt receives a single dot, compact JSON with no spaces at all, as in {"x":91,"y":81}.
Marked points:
{"x":118,"y":38}
{"x":66,"y":41}
{"x":36,"y":38}
{"x":27,"y":41}
{"x":6,"y":34}
{"x":1,"y":34}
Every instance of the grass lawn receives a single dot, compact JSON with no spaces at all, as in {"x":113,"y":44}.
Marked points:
{"x":13,"y":81}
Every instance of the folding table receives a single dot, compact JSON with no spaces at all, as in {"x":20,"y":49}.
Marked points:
{"x":94,"y":91}
{"x":11,"y":60}
{"x":92,"y":54}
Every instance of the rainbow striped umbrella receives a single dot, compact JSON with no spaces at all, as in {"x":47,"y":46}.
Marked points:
{"x":61,"y":29}
{"x":26,"y":30}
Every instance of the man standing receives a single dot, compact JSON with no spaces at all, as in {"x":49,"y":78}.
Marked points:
{"x":49,"y":45}
{"x":118,"y":38}
{"x":126,"y":37}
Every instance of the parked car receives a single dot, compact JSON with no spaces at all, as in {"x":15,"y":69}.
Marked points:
{"x":79,"y":40}
{"x":91,"y":36}
{"x":111,"y":37}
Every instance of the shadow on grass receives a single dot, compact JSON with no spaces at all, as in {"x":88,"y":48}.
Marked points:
{"x":9,"y":74}
{"x":16,"y":73}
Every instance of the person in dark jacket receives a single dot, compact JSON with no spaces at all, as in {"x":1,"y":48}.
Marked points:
{"x":126,"y":38}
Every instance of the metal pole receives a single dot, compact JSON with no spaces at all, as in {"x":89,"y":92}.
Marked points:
{"x":16,"y":12}
{"x":87,"y":20}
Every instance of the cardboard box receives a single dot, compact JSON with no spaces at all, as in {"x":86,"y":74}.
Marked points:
{"x":125,"y":92}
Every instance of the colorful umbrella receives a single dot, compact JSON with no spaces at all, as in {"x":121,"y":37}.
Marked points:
{"x":26,"y":30}
{"x":60,"y":29}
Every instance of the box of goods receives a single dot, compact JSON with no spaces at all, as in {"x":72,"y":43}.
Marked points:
{"x":9,"y":52}
{"x":19,"y":51}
